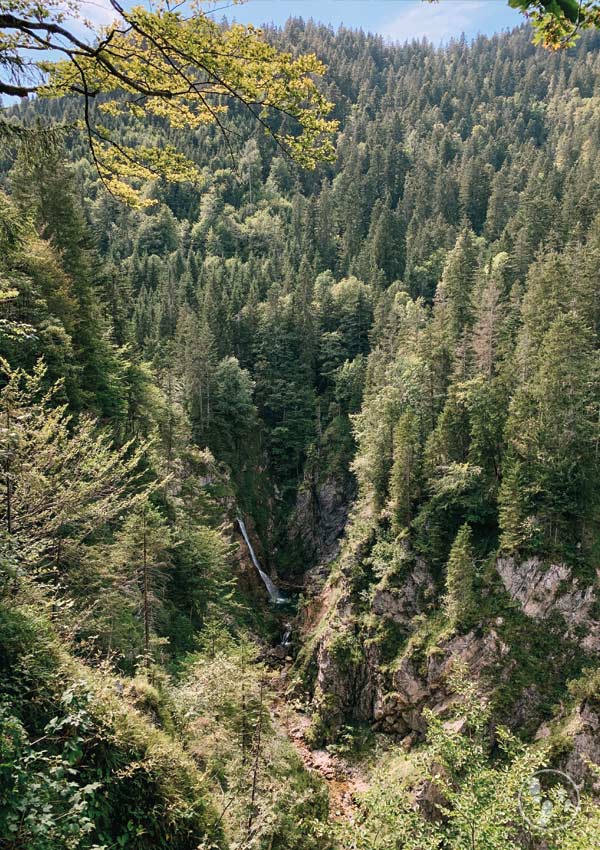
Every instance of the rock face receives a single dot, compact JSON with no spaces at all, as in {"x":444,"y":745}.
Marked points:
{"x":344,"y":686}
{"x":352,"y":682}
{"x":342,"y":689}
{"x":357,"y":688}
{"x":320,"y":516}
{"x":423,"y":683}
{"x":585,"y":736}
{"x":544,"y":590}
{"x":402,"y":604}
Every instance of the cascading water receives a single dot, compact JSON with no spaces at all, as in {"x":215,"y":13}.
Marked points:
{"x":286,"y":640}
{"x":273,"y":590}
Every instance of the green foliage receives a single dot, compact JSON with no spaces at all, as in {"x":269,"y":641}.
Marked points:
{"x":345,"y":650}
{"x":418,"y":318}
{"x":405,"y":473}
{"x":269,"y":799}
{"x":460,"y":602}
{"x":202,"y":585}
{"x":62,"y":482}
{"x":45,"y":804}
{"x":185,"y":70}
{"x":457,"y":793}
{"x":547,"y":497}
{"x":559,"y":23}
{"x":456,"y":284}
{"x":80,"y":767}
{"x":141,"y":558}
{"x":544,"y":661}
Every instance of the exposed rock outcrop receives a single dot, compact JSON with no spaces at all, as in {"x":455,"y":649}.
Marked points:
{"x":419,"y":683}
{"x":584,"y":732}
{"x":402,"y":604}
{"x":344,"y":688}
{"x":542,"y":590}
{"x":355,"y":681}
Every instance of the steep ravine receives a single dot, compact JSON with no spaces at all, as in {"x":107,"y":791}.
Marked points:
{"x":344,"y":781}
{"x":379,"y":661}
{"x":530,"y":653}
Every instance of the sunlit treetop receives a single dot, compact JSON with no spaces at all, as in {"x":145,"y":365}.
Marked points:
{"x":558,"y":23}
{"x":177,"y":65}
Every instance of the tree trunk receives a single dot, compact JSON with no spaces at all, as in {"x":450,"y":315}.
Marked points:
{"x":256,"y":766}
{"x":145,"y":591}
{"x":9,"y":485}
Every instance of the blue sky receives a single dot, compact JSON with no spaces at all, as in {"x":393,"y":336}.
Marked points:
{"x":399,"y":20}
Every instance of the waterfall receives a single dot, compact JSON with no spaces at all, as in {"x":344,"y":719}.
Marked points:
{"x":286,"y":639}
{"x":272,"y":589}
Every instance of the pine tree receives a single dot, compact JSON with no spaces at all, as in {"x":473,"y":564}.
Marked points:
{"x":233,"y":413}
{"x":552,"y":434}
{"x":474,"y":190}
{"x":199,"y":359}
{"x":488,"y":325}
{"x":515,"y":506}
{"x":44,"y":189}
{"x":64,"y":481}
{"x":457,"y":282}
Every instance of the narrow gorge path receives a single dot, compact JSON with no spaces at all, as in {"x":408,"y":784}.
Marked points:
{"x":344,"y":781}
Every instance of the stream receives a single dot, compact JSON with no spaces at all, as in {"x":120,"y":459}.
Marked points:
{"x":344,"y":781}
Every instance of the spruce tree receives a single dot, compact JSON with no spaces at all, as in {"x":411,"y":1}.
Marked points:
{"x":142,"y":556}
{"x":457,"y":282}
{"x":460,"y":604}
{"x":552,"y":433}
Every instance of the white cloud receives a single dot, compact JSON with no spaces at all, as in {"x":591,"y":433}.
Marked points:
{"x":438,"y":22}
{"x":99,"y":13}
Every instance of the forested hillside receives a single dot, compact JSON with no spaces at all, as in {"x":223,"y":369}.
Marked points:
{"x":388,"y":368}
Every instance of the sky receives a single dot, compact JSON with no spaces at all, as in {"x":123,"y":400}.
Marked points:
{"x":397,"y":20}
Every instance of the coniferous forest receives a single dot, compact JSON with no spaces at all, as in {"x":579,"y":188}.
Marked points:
{"x":300,"y":439}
